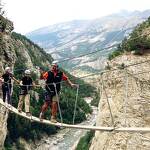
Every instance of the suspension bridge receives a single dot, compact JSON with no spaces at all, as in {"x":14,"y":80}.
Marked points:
{"x":85,"y":127}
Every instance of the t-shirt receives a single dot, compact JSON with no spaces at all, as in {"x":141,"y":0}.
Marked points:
{"x":27,"y":84}
{"x":7,"y":80}
{"x":7,"y":77}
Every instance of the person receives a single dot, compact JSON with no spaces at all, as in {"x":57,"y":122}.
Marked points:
{"x":52,"y":88}
{"x":26,"y":84}
{"x":7,"y":85}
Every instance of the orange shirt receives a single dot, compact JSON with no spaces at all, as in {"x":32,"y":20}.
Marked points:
{"x":45,"y":76}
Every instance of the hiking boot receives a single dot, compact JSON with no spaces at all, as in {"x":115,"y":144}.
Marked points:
{"x":28,"y":114}
{"x":41,"y":116}
{"x":53,"y":119}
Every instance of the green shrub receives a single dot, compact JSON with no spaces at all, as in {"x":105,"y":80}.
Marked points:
{"x":114,"y":54}
{"x":85,"y":141}
{"x":136,"y":42}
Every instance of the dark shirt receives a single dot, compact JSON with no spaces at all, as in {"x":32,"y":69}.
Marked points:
{"x":7,"y":77}
{"x":7,"y":80}
{"x":27,"y":84}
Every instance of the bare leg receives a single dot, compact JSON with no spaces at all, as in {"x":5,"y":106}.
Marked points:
{"x":43,"y":109}
{"x":54,"y":111}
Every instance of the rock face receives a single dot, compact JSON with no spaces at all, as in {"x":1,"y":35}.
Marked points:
{"x":127,"y":91}
{"x":7,"y":56}
{"x":5,"y":25}
{"x":3,"y":125}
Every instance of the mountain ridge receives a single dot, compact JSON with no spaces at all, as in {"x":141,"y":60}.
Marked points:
{"x":87,"y":36}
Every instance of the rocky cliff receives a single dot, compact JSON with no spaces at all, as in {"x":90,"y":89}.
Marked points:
{"x":127,"y":90}
{"x":6,"y":57}
{"x":3,"y":126}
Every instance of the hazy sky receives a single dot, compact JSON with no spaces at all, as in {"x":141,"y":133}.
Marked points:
{"x":29,"y":15}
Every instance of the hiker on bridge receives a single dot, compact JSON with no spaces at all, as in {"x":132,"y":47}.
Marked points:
{"x":53,"y":86}
{"x":26,"y":84}
{"x":7,"y":85}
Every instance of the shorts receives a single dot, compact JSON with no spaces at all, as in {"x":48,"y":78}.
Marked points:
{"x":49,"y":97}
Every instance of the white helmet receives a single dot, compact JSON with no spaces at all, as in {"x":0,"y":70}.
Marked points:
{"x":54,"y":62}
{"x":7,"y":69}
{"x":27,"y":72}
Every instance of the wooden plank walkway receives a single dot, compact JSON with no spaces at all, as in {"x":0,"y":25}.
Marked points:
{"x":86,"y":127}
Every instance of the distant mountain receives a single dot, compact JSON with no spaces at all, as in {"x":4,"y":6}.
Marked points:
{"x":78,"y":37}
